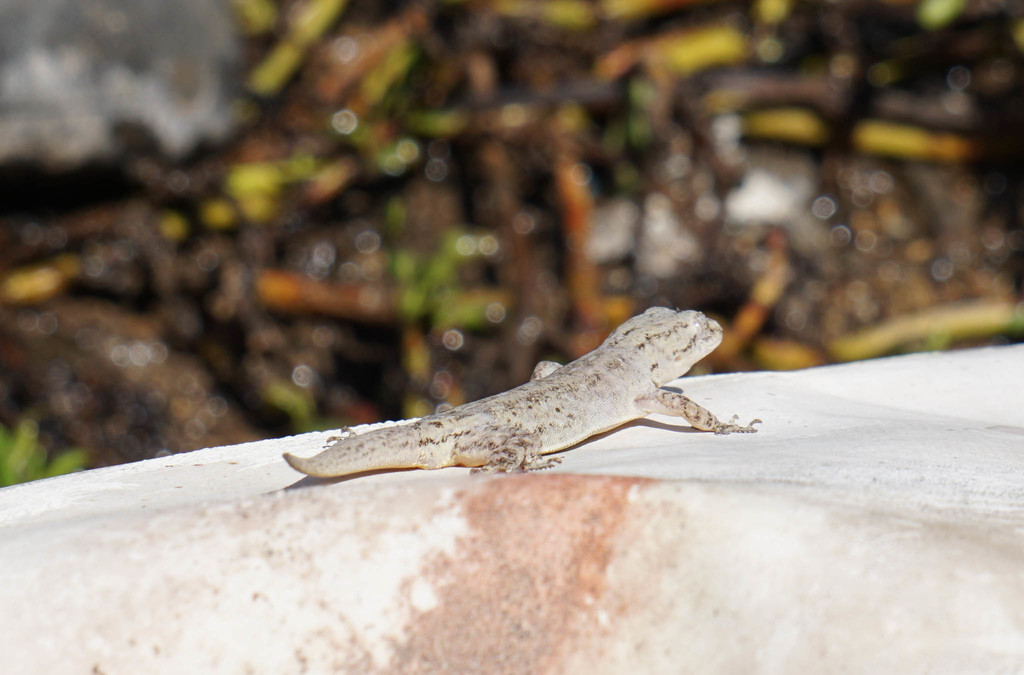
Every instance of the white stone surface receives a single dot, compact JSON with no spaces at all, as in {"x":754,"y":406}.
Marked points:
{"x":874,"y":524}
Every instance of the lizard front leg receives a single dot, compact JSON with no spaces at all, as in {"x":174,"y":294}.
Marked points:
{"x":673,"y":403}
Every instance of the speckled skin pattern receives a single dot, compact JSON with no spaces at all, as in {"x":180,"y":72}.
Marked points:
{"x":559,"y":407}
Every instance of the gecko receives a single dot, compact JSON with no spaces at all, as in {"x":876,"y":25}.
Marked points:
{"x":619,"y":381}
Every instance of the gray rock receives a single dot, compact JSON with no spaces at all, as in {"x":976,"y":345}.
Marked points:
{"x":80,"y":78}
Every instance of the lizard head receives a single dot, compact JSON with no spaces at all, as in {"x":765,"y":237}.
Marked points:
{"x":666,"y":341}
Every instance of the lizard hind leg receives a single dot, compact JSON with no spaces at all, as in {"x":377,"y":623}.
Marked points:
{"x":507,"y":451}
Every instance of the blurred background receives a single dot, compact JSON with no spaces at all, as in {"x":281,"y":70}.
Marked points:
{"x":223,"y":221}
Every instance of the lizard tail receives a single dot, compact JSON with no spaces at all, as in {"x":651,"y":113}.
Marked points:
{"x":328,"y":464}
{"x":332,"y":464}
{"x":307,"y":465}
{"x":391,"y":448}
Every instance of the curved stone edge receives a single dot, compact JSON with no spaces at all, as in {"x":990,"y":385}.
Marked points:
{"x":531,"y":573}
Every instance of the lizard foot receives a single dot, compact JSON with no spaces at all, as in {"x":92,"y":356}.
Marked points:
{"x":731,"y":427}
{"x":539,"y":463}
{"x":345,"y":433}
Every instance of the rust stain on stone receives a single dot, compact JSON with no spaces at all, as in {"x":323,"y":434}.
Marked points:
{"x":520,"y":587}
